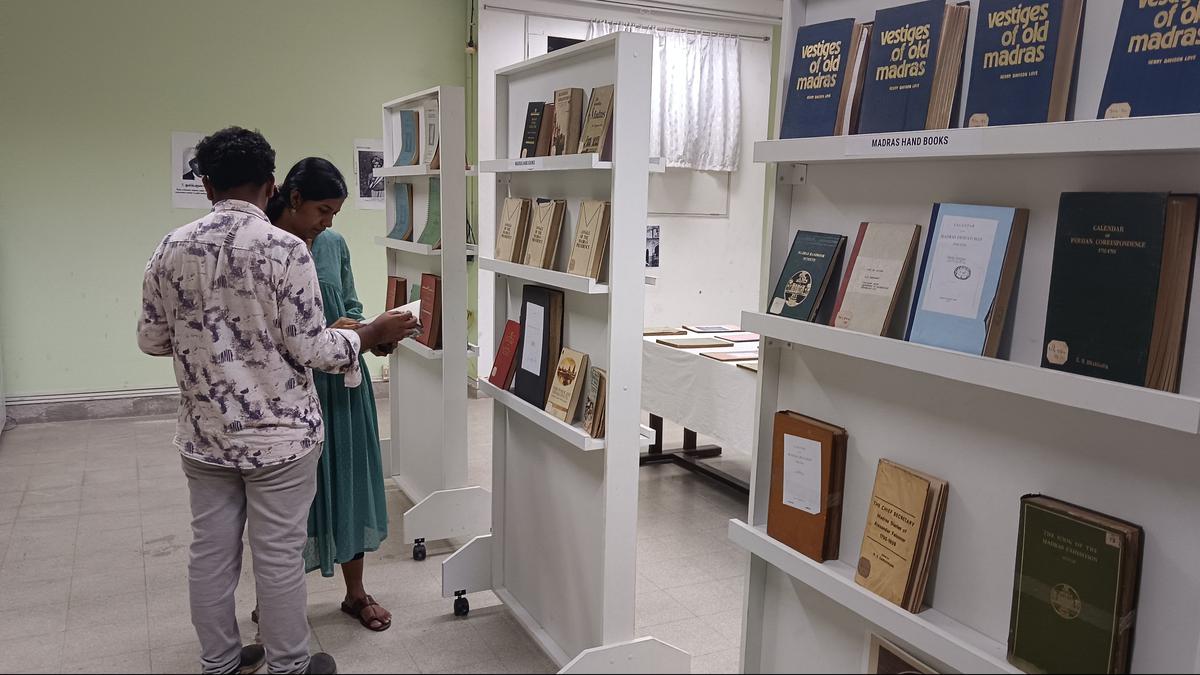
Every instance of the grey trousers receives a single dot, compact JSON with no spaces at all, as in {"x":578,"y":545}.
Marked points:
{"x":274,"y":502}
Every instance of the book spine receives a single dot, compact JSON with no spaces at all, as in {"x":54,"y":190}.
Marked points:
{"x":916,"y":306}
{"x":841,"y":296}
{"x":428,"y":302}
{"x":533,"y":127}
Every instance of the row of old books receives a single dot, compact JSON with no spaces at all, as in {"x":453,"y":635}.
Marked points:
{"x":903,"y":71}
{"x":728,"y":343}
{"x":1119,"y":289}
{"x":563,"y":127}
{"x":430,"y":314}
{"x":413,"y":125}
{"x":532,"y":361}
{"x":403,"y":222}
{"x":1076,"y":574}
{"x":529,"y":233}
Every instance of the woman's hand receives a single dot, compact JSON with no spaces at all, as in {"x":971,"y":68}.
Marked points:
{"x":384,"y":349}
{"x":346,"y":322}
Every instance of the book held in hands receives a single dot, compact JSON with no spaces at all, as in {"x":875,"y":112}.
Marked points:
{"x":431,"y":311}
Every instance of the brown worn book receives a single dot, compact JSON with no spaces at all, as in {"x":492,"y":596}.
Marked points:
{"x":903,"y":531}
{"x":591,"y":239}
{"x":431,"y":311}
{"x":544,"y":231}
{"x":397,"y":292}
{"x":597,"y":120}
{"x":545,"y":132}
{"x":880,"y":269}
{"x":514,"y":229}
{"x":693,"y":343}
{"x":662,"y":330}
{"x":568,"y":113}
{"x":751,"y":366}
{"x":808,"y":471}
{"x":568,"y":379}
{"x":593,"y":402}
{"x":748,"y":355}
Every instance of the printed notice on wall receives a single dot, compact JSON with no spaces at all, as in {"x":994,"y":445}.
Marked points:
{"x":368,"y":156}
{"x":802,"y":474}
{"x":187,"y":190}
{"x":958,"y":266}
{"x":531,"y":348}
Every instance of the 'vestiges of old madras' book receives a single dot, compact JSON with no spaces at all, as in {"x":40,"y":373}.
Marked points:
{"x":967,"y":278}
{"x":533,"y":128}
{"x":593,"y":402}
{"x":397,"y":292}
{"x":879,"y":265}
{"x":568,"y":114}
{"x":1155,"y":61}
{"x":431,"y":311}
{"x":1119,"y":286}
{"x":903,"y":532}
{"x":544,"y":230}
{"x":1023,"y":70}
{"x":808,"y":471}
{"x":567,"y":386}
{"x":813,"y":265}
{"x":1075,"y":589}
{"x":540,"y":344}
{"x":591,"y":239}
{"x":546,"y":131}
{"x":826,"y":84}
{"x":402,"y":224}
{"x":514,"y":229}
{"x":409,"y":152}
{"x":597,"y":123}
{"x":431,"y":234}
{"x":504,"y":365}
{"x":914,"y":67}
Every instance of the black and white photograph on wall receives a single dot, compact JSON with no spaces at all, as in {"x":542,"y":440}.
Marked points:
{"x":652,"y":246}
{"x":368,"y":156}
{"x":187,"y":190}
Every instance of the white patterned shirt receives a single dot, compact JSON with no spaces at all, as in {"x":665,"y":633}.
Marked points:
{"x":235,"y":301}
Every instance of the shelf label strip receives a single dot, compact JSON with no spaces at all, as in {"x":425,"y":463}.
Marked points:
{"x":922,"y":143}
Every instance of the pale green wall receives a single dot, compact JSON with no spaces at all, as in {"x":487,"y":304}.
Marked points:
{"x":90,"y":92}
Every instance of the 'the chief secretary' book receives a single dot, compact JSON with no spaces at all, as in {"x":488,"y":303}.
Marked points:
{"x":826,"y":84}
{"x":1155,"y":62}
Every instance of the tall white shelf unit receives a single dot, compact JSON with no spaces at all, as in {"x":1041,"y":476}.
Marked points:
{"x":428,"y":387}
{"x":995,"y":429}
{"x":564,"y":505}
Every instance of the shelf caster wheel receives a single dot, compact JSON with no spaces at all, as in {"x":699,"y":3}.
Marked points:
{"x":419,"y":552}
{"x":462,"y":606}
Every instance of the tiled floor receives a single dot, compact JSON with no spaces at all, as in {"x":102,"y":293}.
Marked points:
{"x":93,"y":543}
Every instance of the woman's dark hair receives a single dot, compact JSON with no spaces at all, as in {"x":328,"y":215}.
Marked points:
{"x":235,"y":156}
{"x":313,"y":178}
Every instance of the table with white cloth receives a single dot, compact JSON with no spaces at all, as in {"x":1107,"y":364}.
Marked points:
{"x":714,"y":398}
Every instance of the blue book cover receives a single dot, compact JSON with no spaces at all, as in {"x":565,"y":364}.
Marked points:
{"x":431,"y":234}
{"x":1155,"y":65}
{"x":819,"y":64}
{"x":900,"y":67}
{"x":402,"y":228}
{"x":1024,"y":56}
{"x":410,"y":140}
{"x":971,"y":259}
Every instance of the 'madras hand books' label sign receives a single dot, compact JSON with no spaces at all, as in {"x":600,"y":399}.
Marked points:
{"x":942,"y":142}
{"x":1155,"y":64}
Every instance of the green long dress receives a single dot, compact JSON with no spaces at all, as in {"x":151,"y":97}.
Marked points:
{"x":349,"y":513}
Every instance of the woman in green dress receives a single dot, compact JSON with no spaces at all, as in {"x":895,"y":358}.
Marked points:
{"x":349,"y":514}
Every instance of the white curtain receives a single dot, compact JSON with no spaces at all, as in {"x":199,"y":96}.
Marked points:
{"x":695,"y":102}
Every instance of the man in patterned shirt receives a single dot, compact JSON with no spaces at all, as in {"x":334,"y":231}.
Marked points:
{"x":235,"y":302}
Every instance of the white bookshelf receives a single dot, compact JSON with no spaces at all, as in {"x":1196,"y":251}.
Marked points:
{"x":428,"y":387}
{"x":564,"y":510}
{"x":995,"y":429}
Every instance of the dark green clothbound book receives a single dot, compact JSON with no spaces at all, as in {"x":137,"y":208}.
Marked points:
{"x":1075,"y":592}
{"x":813,"y":265}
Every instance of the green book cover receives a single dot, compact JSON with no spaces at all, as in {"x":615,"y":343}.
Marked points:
{"x":431,"y":234}
{"x":402,"y":228}
{"x":1069,"y":590}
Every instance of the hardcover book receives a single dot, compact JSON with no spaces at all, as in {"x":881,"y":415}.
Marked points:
{"x":662,"y":330}
{"x":431,"y":234}
{"x":397,"y":292}
{"x":732,"y":356}
{"x":540,"y":344}
{"x":533,"y":129}
{"x":744,"y":336}
{"x":1155,"y":61}
{"x":544,"y":230}
{"x":967,"y":278}
{"x":514,"y":230}
{"x":914,"y":67}
{"x":593,"y":402}
{"x":431,"y":311}
{"x":826,"y":82}
{"x":597,"y":122}
{"x":693,"y":343}
{"x":752,"y":366}
{"x":563,"y":401}
{"x":814,"y":263}
{"x":879,"y":266}
{"x":808,"y":471}
{"x":1023,"y":69}
{"x":591,"y":239}
{"x":1075,"y":589}
{"x":713,"y":328}
{"x":402,"y":227}
{"x":409,"y":152}
{"x":888,"y":659}
{"x":546,"y":132}
{"x":503,"y":365}
{"x":900,"y":541}
{"x":568,"y":113}
{"x":1120,"y":285}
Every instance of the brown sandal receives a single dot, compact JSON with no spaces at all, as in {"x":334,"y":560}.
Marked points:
{"x":357,"y":611}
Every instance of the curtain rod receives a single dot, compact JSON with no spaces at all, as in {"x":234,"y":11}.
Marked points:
{"x":740,"y":36}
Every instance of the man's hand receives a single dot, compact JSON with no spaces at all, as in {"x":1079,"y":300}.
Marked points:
{"x":389,"y":327}
{"x":346,"y":322}
{"x":384,"y":349}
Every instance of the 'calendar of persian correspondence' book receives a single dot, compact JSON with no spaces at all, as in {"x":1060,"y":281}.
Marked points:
{"x":914,"y":67}
{"x":503,"y":367}
{"x":967,"y":278}
{"x":568,"y":379}
{"x":879,"y":266}
{"x":1155,"y":62}
{"x":431,"y":311}
{"x":808,"y":472}
{"x":514,"y":229}
{"x":591,"y":239}
{"x":597,"y":123}
{"x":826,"y":84}
{"x":431,"y":234}
{"x":1075,"y":589}
{"x":402,"y":227}
{"x":1119,"y":286}
{"x":568,"y":118}
{"x":533,"y":128}
{"x":1024,"y":66}
{"x":814,"y":263}
{"x":540,"y":344}
{"x":544,"y":230}
{"x":409,"y":152}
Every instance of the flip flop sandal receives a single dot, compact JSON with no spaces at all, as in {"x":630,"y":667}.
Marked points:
{"x":356,"y":610}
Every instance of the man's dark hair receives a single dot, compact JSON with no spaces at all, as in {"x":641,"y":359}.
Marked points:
{"x":235,"y":156}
